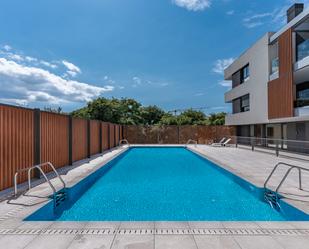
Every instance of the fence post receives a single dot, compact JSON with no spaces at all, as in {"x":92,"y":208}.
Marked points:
{"x":122,"y":131}
{"x":37,"y":140}
{"x":101,"y":138}
{"x":252,"y":144}
{"x":88,"y":139}
{"x":109,"y":135}
{"x":70,"y":140}
{"x":277,"y":148}
{"x":115,"y":136}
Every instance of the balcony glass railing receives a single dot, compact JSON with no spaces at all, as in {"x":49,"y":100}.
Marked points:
{"x":301,"y":103}
{"x":303,"y":50}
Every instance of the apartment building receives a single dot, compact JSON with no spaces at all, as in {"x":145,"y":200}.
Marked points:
{"x":270,"y":83}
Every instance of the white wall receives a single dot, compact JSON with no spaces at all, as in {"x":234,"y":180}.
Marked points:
{"x":258,"y":58}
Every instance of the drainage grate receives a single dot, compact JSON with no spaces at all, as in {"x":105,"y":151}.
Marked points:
{"x":216,"y":232}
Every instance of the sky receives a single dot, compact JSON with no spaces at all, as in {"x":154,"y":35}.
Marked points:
{"x":169,"y":53}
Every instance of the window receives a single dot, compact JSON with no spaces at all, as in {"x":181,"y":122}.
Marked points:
{"x":274,"y":58}
{"x":245,"y":74}
{"x":245,"y":103}
{"x":302,"y":45}
{"x":302,"y":95}
{"x":240,"y":76}
{"x":241,"y":104}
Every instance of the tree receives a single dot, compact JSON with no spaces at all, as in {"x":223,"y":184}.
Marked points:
{"x":216,"y":119}
{"x":191,"y":116}
{"x":130,"y":112}
{"x":123,"y":111}
{"x":151,"y":115}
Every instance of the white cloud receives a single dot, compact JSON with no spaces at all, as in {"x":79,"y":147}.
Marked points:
{"x":48,"y":64}
{"x":71,"y":66}
{"x":136,"y":81}
{"x":225,"y":83}
{"x":221,"y":64}
{"x":193,"y":5}
{"x":16,"y":57}
{"x":7,"y":47}
{"x":276,"y":17}
{"x":230,"y":12}
{"x":26,"y":84}
{"x":199,"y":94}
{"x":256,"y":19}
{"x":30,"y":59}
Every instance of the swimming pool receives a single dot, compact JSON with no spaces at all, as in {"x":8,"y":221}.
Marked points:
{"x":164,"y":184}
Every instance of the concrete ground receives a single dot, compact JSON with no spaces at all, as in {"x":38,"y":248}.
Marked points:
{"x":252,"y":166}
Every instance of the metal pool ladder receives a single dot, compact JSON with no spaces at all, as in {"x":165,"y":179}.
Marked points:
{"x":272,"y":197}
{"x":58,"y":196}
{"x":191,"y":141}
{"x":124,"y":141}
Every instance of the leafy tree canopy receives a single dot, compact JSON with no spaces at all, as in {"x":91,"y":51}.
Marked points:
{"x":130,"y":112}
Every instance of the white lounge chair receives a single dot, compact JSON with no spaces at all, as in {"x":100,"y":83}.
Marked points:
{"x":220,"y":144}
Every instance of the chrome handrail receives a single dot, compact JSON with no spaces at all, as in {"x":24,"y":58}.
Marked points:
{"x":190,"y":141}
{"x":42,"y":172}
{"x":123,"y":141}
{"x":291,"y":167}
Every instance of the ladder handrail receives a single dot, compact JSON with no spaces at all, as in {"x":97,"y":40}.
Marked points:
{"x":291,"y":167}
{"x":29,"y":169}
{"x":123,"y":140}
{"x":190,"y":141}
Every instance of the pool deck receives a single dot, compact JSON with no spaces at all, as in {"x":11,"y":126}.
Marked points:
{"x":252,"y":166}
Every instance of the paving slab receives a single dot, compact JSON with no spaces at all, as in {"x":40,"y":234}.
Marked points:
{"x":300,"y":242}
{"x":175,"y":242}
{"x":91,"y":241}
{"x":167,"y":225}
{"x":16,"y":242}
{"x":51,"y":242}
{"x":133,"y":242}
{"x":216,"y":242}
{"x":257,"y":242}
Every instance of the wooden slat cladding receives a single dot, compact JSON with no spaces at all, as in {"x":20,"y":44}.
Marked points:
{"x":116,"y":135}
{"x":120,"y":133}
{"x":176,"y":134}
{"x":280,"y":91}
{"x":105,"y":136}
{"x":94,"y":137}
{"x":79,"y":139}
{"x":54,"y":139}
{"x":16,"y":143}
{"x":112,"y":135}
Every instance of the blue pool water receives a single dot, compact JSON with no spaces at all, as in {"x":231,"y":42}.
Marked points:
{"x":164,"y":184}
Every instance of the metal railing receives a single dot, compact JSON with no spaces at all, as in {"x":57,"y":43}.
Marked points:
{"x":274,"y":195}
{"x":291,"y":167}
{"x":191,"y":141}
{"x":122,"y":141}
{"x":277,"y":145}
{"x":39,"y":167}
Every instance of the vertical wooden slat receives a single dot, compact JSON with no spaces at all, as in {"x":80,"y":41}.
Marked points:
{"x":280,"y":91}
{"x":17,"y":138}
{"x":95,"y":137}
{"x":54,"y":139}
{"x":15,"y":146}
{"x":79,"y":144}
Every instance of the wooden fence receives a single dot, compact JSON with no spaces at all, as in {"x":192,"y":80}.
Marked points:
{"x":29,"y":137}
{"x":176,"y":134}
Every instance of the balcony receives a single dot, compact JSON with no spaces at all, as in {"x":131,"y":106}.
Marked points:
{"x":301,"y":107}
{"x":302,"y":50}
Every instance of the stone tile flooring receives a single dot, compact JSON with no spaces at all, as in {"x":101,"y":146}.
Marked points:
{"x":253,"y":166}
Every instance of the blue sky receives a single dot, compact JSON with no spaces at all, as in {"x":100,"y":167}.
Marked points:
{"x":165,"y":52}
